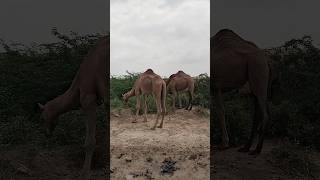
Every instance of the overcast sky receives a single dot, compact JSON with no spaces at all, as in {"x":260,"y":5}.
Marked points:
{"x":32,"y":20}
{"x":165,"y":35}
{"x":268,"y":23}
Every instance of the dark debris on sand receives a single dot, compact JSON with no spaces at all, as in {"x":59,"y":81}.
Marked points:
{"x":168,"y":166}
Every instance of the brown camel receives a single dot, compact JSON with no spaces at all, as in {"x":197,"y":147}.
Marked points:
{"x":236,"y":61}
{"x":149,"y":83}
{"x":180,"y":82}
{"x":87,"y":91}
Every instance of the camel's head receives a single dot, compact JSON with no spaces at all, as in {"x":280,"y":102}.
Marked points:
{"x":125,"y":98}
{"x":170,"y":78}
{"x":48,"y":118}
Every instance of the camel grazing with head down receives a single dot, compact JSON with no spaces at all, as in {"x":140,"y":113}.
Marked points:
{"x":236,"y":61}
{"x":88,"y":90}
{"x":180,"y":82}
{"x":149,"y":83}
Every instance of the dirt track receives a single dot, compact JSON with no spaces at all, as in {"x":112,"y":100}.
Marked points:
{"x":138,"y":152}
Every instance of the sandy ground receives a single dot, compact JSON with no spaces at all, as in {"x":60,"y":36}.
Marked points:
{"x":140,"y":153}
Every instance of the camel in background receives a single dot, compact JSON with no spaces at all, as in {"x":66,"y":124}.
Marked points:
{"x":149,"y":83}
{"x":180,"y":82}
{"x":88,"y":90}
{"x":236,"y":61}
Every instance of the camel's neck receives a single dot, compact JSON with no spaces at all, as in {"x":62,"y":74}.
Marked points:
{"x":64,"y":102}
{"x":130,"y":94}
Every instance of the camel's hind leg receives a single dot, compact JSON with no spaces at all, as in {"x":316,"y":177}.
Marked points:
{"x":258,"y":77}
{"x":159,"y":110}
{"x":189,"y":107}
{"x":221,"y":118}
{"x":163,"y":104}
{"x":174,"y":96}
{"x":191,"y":93}
{"x":179,"y":100}
{"x":145,"y":107}
{"x":255,"y":122}
{"x":263,"y":107}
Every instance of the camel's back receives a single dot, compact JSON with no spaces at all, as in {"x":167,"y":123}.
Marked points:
{"x":180,"y":81}
{"x":147,"y":81}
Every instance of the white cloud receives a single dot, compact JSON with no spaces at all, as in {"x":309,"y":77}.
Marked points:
{"x":165,"y":35}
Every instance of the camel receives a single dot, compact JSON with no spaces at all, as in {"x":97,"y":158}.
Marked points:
{"x":236,"y":61}
{"x":88,"y":91}
{"x":149,"y":83}
{"x":180,"y":82}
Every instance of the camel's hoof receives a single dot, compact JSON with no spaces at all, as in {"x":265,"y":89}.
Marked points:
{"x":153,"y":128}
{"x":254,"y":152}
{"x":159,"y":126}
{"x":243,"y":149}
{"x":135,"y":121}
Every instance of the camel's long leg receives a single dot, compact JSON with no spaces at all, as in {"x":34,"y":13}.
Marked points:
{"x":221,"y":117}
{"x":138,"y":106}
{"x":189,"y":107}
{"x":263,"y":106}
{"x":163,"y":104}
{"x":174,"y":96}
{"x":145,"y":107}
{"x":179,"y":99}
{"x":255,"y":122}
{"x":89,"y":106}
{"x":191,"y":91}
{"x":157,"y":97}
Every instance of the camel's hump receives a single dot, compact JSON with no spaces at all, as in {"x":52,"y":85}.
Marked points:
{"x":228,"y":39}
{"x":149,"y":71}
{"x":180,"y":72}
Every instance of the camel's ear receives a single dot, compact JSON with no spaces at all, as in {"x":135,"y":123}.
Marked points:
{"x":41,"y":106}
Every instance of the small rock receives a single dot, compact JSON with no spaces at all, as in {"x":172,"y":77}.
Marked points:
{"x":128,"y":159}
{"x":120,"y":156}
{"x":193,"y":157}
{"x":149,"y":159}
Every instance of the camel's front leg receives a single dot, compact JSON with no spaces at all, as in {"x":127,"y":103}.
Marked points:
{"x":138,"y":106}
{"x":89,"y":107}
{"x":221,"y":118}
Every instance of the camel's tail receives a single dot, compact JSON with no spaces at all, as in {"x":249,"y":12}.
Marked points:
{"x":163,"y":98}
